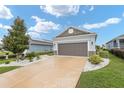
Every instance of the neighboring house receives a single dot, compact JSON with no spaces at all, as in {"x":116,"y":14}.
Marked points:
{"x":40,"y":45}
{"x":117,"y":42}
{"x":75,"y":42}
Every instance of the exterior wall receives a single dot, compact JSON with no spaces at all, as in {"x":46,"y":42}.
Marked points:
{"x":39,"y":48}
{"x":91,"y":53}
{"x":76,"y":39}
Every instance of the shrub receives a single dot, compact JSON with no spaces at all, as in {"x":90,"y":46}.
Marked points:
{"x":2,"y":57}
{"x":95,"y":59}
{"x":104,"y":54}
{"x":118,"y":52}
{"x":7,"y":62}
{"x":31,"y":56}
{"x":12,"y":56}
{"x":37,"y":56}
{"x":50,"y":53}
{"x":9,"y":56}
{"x":46,"y":53}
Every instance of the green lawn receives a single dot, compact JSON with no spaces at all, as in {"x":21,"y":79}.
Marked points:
{"x":110,"y":76}
{"x":2,"y":61}
{"x":8,"y":68}
{"x":3,"y":53}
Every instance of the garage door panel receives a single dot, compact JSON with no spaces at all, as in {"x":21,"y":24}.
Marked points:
{"x":73,"y":49}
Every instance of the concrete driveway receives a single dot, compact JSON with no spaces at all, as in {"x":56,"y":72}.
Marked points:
{"x":56,"y":71}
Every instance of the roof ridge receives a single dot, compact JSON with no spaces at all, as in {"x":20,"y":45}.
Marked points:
{"x":42,"y":40}
{"x":77,"y":29}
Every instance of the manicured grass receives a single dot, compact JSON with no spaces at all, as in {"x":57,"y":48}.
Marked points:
{"x":111,"y":76}
{"x":3,"y":53}
{"x":8,"y":68}
{"x":2,"y":61}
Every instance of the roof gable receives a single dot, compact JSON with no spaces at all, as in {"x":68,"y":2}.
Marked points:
{"x":71,"y":31}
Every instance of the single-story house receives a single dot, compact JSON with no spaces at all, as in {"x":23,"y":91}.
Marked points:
{"x":75,"y":42}
{"x":40,"y":45}
{"x":117,"y":42}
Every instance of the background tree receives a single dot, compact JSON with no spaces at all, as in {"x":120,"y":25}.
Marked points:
{"x":16,"y":41}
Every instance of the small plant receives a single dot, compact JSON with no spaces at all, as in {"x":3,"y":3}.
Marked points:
{"x":50,"y":53}
{"x":31,"y":56}
{"x":95,"y":59}
{"x":104,"y":54}
{"x":37,"y":56}
{"x":7,"y":62}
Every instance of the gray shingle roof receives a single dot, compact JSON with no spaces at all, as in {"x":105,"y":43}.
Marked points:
{"x":40,"y":42}
{"x":76,"y":32}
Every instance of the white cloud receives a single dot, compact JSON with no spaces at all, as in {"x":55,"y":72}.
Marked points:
{"x":43,"y":26}
{"x":5,"y":12}
{"x":91,"y":8}
{"x":87,"y":8}
{"x":34,"y":35}
{"x":109,"y":21}
{"x":123,"y":15}
{"x":4,"y":27}
{"x":61,"y":10}
{"x":37,"y":19}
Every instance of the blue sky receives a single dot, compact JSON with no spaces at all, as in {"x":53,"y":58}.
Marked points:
{"x":45,"y":22}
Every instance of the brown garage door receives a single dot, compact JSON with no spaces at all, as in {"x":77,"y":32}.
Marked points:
{"x":73,"y":49}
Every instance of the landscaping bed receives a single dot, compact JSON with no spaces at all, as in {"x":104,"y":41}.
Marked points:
{"x":111,"y":76}
{"x":90,"y":67}
{"x":25,"y":61}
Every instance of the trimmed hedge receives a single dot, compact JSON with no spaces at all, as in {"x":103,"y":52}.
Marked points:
{"x":46,"y":53}
{"x":9,"y":56}
{"x":118,"y":52}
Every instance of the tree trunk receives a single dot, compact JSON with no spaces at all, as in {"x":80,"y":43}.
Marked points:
{"x":6,"y":57}
{"x":17,"y":57}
